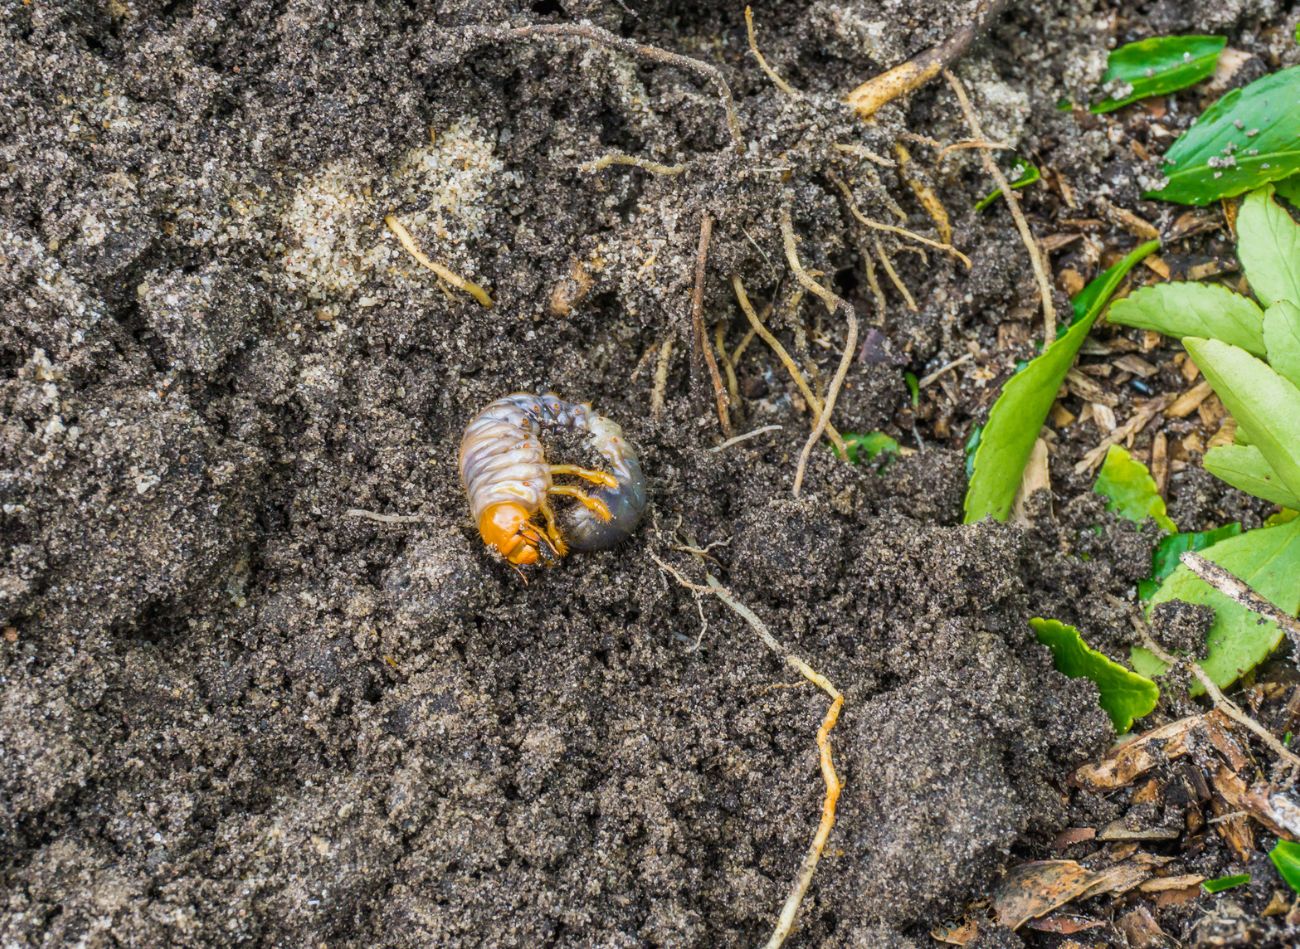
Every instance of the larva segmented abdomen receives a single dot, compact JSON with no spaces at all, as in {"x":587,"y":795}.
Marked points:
{"x":502,"y":460}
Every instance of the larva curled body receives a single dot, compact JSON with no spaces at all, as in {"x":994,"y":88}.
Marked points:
{"x":508,"y":479}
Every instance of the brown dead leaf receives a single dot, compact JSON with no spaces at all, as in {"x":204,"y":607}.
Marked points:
{"x":1276,"y":813}
{"x":1176,"y":897}
{"x":1035,"y":889}
{"x":1065,"y":925}
{"x":1119,"y":878}
{"x":1133,"y":759}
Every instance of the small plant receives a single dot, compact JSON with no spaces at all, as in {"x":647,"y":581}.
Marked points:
{"x":1250,"y":354}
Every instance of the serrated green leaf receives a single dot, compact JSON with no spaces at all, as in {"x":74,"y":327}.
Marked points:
{"x":1220,"y":884}
{"x":1286,"y":857}
{"x":1159,"y":65}
{"x":1193,"y":309}
{"x":1282,"y":339}
{"x":1124,"y":694}
{"x":1131,"y":490}
{"x":1244,"y":467}
{"x":1264,"y":404}
{"x":1020,"y":410}
{"x":1268,"y":559}
{"x":868,"y":446}
{"x":1164,"y":559}
{"x":1026,"y":174}
{"x":1246,"y":139}
{"x":1268,"y":246}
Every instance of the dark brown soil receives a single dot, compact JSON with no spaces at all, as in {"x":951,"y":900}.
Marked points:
{"x":232,"y":713}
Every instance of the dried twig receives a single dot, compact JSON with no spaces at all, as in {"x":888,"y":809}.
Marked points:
{"x":384,"y":518}
{"x":697,"y":322}
{"x":618,"y":158}
{"x":745,"y":437}
{"x":791,"y":366}
{"x":1240,"y":592}
{"x":946,"y":367}
{"x":924,"y":66}
{"x":862,"y":151}
{"x":832,"y":302}
{"x":1013,"y":204}
{"x":595,"y":34}
{"x":780,"y":83}
{"x":1140,"y":420}
{"x":408,"y":243}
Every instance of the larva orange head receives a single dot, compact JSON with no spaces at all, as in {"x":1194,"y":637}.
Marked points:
{"x":507,"y":528}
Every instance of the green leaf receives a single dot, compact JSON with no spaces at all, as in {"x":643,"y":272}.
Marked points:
{"x":1246,"y":139}
{"x":1159,"y":65}
{"x":1286,"y":857}
{"x":1082,"y":301}
{"x":1193,"y":309}
{"x":1131,"y":489}
{"x":913,"y":387}
{"x":1244,"y":467}
{"x":971,"y":446}
{"x":1022,"y":407}
{"x":1164,"y":559}
{"x":869,"y":446}
{"x":1284,"y":516}
{"x":1125,"y":695}
{"x":1282,"y":338}
{"x":1268,"y":246}
{"x":1026,"y":174}
{"x":1267,"y":558}
{"x":1220,"y":884}
{"x":1289,"y":188}
{"x":1265,"y":405}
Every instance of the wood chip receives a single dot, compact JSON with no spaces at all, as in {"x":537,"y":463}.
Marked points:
{"x":1119,"y":830}
{"x":1136,"y":365}
{"x":1126,"y":219}
{"x":1238,"y":796}
{"x":1104,"y":416}
{"x":1073,"y":835}
{"x":1160,"y":462}
{"x":1211,"y":413}
{"x":1188,"y":402}
{"x":1188,"y":368}
{"x":1061,"y":416}
{"x":1088,"y":390}
{"x":1157,"y":265}
{"x":1226,"y":435}
{"x":1149,"y":793}
{"x":1175,"y":897}
{"x":1128,"y":431}
{"x":1150,"y":340}
{"x":1035,"y":477}
{"x":1159,"y":884}
{"x":1141,"y":930}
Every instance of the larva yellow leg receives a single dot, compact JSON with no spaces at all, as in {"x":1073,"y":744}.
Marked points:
{"x":595,"y":505}
{"x":603,"y":478}
{"x":553,"y":531}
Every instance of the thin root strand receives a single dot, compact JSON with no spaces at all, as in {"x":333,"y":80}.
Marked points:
{"x":408,"y":243}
